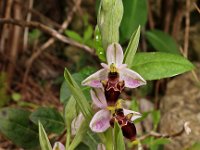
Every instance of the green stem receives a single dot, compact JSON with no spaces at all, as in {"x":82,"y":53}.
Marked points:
{"x":109,"y":139}
{"x":68,"y":137}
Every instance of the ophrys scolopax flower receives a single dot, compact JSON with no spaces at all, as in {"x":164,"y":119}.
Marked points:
{"x":114,"y":76}
{"x":105,"y":117}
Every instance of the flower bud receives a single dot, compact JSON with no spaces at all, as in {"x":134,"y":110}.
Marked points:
{"x":109,"y":18}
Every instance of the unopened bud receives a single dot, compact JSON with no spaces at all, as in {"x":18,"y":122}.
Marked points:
{"x":109,"y":18}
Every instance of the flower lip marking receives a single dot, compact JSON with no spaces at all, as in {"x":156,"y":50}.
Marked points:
{"x":128,"y":127}
{"x":101,"y":120}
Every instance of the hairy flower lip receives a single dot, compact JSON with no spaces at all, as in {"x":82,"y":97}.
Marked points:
{"x":114,"y":59}
{"x":101,"y":119}
{"x":125,"y":122}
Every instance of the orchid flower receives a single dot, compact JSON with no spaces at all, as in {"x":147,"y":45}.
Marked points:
{"x":101,"y":120}
{"x":115,"y":66}
{"x":58,"y":146}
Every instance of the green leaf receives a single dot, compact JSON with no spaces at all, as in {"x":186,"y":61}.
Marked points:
{"x":160,"y":141}
{"x":69,"y":114}
{"x":156,"y":118}
{"x":51,"y":119}
{"x":87,"y":33}
{"x":157,"y":65}
{"x":91,"y":140}
{"x":70,"y":111}
{"x":162,"y":42}
{"x":118,"y":138}
{"x":78,"y":95}
{"x":155,"y":144}
{"x":34,"y":35}
{"x":78,"y":77}
{"x":107,"y":139}
{"x":109,"y":19}
{"x":135,"y":14}
{"x":75,"y":36}
{"x":132,"y":48}
{"x":134,"y":105}
{"x":82,"y":146}
{"x":16,"y":96}
{"x":195,"y":146}
{"x":144,"y":116}
{"x":16,"y":126}
{"x":44,"y":141}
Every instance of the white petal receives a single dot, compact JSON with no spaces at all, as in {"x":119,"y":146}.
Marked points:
{"x":100,"y":121}
{"x":98,"y":98}
{"x":135,"y":116}
{"x":58,"y":146}
{"x":101,"y":147}
{"x":131,"y":78}
{"x":105,"y":66}
{"x":114,"y":54}
{"x":94,"y":80}
{"x":76,"y":123}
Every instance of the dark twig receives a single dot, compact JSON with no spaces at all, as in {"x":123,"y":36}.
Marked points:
{"x":42,"y":17}
{"x":48,"y":30}
{"x":187,"y":28}
{"x":185,"y":129}
{"x":52,"y":40}
{"x":26,"y":30}
{"x":5,"y":31}
{"x":177,"y":20}
{"x":14,"y":48}
{"x":168,"y":15}
{"x":195,"y":5}
{"x":150,"y":16}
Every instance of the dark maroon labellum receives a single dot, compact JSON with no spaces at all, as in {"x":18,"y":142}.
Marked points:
{"x":113,"y":87}
{"x":128,"y":128}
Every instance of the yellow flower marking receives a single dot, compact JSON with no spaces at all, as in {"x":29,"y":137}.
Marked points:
{"x":113,"y":68}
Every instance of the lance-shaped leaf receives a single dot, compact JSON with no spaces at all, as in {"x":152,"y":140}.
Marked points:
{"x":109,"y":18}
{"x":52,"y":121}
{"x":135,"y":14}
{"x":162,"y":42}
{"x":118,"y":138}
{"x":158,"y":65}
{"x":69,"y":115}
{"x":44,"y":141}
{"x":65,"y":93}
{"x":16,"y":126}
{"x":78,"y":96}
{"x":132,"y":48}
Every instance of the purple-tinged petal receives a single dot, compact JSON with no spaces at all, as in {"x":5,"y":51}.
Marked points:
{"x":114,"y":54}
{"x":100,"y":121}
{"x":58,"y":146}
{"x":94,"y":80}
{"x":105,"y":66}
{"x":101,"y":147}
{"x":98,"y":98}
{"x":131,"y":78}
{"x":135,"y":115}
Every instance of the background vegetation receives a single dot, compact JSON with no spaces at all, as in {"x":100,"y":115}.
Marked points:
{"x":38,"y":39}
